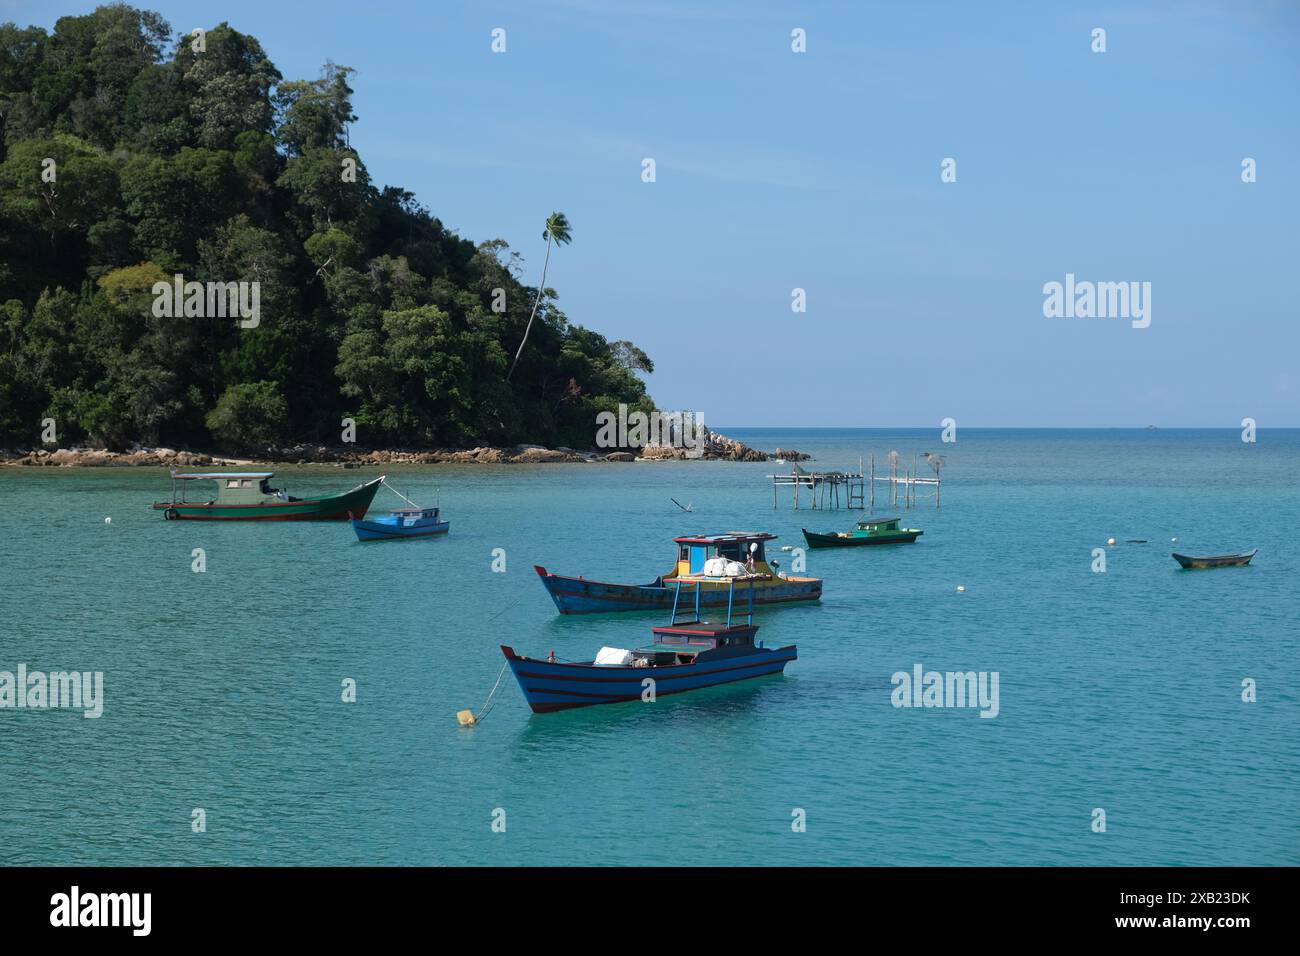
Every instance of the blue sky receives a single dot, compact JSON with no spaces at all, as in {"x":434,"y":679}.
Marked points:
{"x":821,"y":170}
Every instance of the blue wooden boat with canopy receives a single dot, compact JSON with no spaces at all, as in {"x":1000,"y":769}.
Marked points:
{"x":713,"y":562}
{"x":682,"y":656}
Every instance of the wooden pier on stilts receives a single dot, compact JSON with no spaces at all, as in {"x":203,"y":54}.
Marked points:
{"x":827,"y":488}
{"x":859,"y":490}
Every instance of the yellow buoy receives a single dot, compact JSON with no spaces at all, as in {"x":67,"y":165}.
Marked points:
{"x":466,"y":718}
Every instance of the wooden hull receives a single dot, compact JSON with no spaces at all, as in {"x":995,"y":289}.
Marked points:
{"x":816,"y":540}
{"x":333,"y":508}
{"x":549,"y":686}
{"x":1215,"y":561}
{"x":388,"y":531}
{"x":580,"y":596}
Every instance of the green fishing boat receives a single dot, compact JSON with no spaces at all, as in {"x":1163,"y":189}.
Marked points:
{"x":868,"y":531}
{"x":248,"y":496}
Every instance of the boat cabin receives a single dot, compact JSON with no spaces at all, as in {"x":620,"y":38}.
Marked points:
{"x":234,"y":487}
{"x":694,"y":549}
{"x":680,"y":642}
{"x":414,"y":515}
{"x":878,"y":524}
{"x":686,"y":640}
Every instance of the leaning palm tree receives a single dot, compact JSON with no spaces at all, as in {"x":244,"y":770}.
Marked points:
{"x":557,"y":231}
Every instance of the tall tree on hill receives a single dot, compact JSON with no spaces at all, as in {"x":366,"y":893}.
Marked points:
{"x":557,"y":231}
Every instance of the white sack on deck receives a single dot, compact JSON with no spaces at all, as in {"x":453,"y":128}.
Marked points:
{"x":613,"y":657}
{"x":715,"y":567}
{"x":723,"y":568}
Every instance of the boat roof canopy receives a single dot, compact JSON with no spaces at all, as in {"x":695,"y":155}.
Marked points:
{"x":218,"y":475}
{"x":725,"y":538}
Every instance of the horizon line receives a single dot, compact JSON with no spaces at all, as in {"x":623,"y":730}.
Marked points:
{"x":1135,"y":428}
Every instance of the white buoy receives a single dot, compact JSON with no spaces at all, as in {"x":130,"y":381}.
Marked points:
{"x":108,"y":521}
{"x":961,"y":588}
{"x":1110,"y":540}
{"x":1174,"y":540}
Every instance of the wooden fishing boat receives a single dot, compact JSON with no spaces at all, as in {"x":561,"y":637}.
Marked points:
{"x":682,"y":656}
{"x":248,"y":496}
{"x":1215,"y":561}
{"x":401,"y":523}
{"x":736,"y":554}
{"x":868,"y":531}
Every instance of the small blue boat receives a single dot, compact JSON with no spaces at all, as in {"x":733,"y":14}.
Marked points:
{"x":682,"y":657}
{"x":401,"y":523}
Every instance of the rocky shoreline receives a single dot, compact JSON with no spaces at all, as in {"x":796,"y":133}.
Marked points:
{"x":717,"y":448}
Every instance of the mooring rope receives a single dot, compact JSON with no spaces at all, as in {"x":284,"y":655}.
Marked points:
{"x":491,"y":697}
{"x":490,"y":702}
{"x":398,"y":493}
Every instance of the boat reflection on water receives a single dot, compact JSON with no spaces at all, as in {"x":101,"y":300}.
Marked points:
{"x":707,"y":708}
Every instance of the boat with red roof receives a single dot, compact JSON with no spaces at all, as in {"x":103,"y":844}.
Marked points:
{"x":682,"y":657}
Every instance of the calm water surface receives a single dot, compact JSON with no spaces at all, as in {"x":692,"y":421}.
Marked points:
{"x":222,"y":689}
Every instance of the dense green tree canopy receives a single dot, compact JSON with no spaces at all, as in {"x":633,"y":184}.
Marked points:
{"x":130,"y":154}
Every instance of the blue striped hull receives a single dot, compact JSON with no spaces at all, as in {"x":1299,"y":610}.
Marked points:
{"x":551,"y":686}
{"x":579,"y":596}
{"x":384,"y":531}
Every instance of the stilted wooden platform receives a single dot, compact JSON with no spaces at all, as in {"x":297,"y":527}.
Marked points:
{"x":831,"y":489}
{"x":825,"y":487}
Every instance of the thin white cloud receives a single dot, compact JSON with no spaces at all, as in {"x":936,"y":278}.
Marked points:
{"x":655,"y":9}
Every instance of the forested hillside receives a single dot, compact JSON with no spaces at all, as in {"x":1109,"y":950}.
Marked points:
{"x":207,"y":163}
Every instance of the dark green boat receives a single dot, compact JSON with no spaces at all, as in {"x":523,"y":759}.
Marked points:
{"x":248,"y":496}
{"x":1216,"y":560}
{"x":868,"y":531}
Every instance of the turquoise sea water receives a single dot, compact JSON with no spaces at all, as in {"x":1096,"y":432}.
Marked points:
{"x":1119,"y":691}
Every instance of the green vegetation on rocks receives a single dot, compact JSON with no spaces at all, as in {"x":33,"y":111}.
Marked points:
{"x":128,"y":157}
